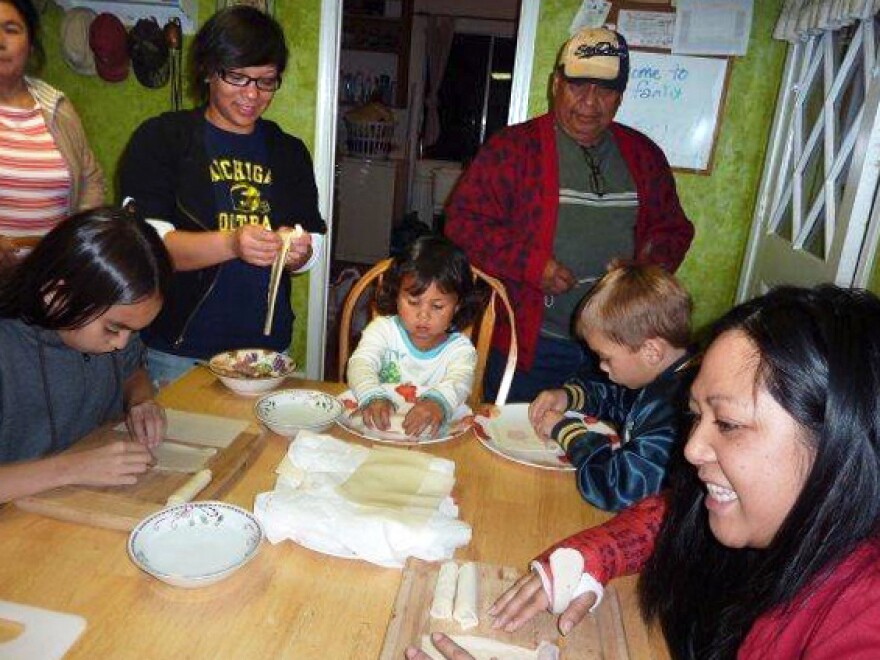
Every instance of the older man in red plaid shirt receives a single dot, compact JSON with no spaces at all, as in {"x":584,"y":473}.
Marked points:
{"x":546,"y":205}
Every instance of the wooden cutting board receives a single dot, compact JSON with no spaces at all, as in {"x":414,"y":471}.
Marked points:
{"x":122,"y":507}
{"x":614,"y":632}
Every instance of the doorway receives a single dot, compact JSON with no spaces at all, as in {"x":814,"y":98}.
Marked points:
{"x":332,"y":151}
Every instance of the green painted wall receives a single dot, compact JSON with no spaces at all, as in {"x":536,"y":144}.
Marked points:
{"x":111,"y":111}
{"x":720,"y":205}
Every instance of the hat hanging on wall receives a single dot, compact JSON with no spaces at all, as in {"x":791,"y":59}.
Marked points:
{"x":149,"y":53}
{"x":108,"y":40}
{"x":174,"y":40}
{"x":266,"y":6}
{"x":75,"y":40}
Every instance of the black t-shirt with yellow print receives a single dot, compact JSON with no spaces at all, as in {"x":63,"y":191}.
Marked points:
{"x":238,"y":167}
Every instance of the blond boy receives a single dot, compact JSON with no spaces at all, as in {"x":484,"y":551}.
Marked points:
{"x":637,"y":321}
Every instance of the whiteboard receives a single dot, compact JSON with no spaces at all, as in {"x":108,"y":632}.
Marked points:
{"x":674,"y":100}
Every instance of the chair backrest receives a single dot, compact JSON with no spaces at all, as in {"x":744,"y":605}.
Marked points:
{"x":480,"y":331}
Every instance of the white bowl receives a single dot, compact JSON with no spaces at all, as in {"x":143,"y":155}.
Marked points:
{"x":288,"y":411}
{"x":195,"y":544}
{"x":251,"y":371}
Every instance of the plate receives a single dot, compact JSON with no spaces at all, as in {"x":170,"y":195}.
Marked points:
{"x":288,"y":411}
{"x":510,"y":435}
{"x":195,"y":544}
{"x":350,"y":420}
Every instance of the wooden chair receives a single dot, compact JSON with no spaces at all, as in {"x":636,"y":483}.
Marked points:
{"x":480,"y":331}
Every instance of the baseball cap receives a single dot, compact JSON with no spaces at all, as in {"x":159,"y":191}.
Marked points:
{"x":75,"y":40}
{"x":149,"y":53}
{"x":107,"y":38}
{"x":596,"y":55}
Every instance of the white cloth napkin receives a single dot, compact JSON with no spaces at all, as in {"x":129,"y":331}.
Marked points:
{"x":309,"y":507}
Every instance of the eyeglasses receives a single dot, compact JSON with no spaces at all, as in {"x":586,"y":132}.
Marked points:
{"x":596,"y":178}
{"x":237,"y":79}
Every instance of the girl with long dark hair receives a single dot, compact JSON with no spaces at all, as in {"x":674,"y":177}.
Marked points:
{"x":767,"y":544}
{"x":70,"y":358}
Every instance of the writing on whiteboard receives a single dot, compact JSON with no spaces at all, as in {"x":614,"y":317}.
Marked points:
{"x":674,"y":99}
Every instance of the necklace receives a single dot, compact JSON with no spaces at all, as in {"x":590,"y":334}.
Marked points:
{"x":597,"y":181}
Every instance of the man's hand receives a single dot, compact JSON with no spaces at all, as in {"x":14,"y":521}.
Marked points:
{"x":557,"y":278}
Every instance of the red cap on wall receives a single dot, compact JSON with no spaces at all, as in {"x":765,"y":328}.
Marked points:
{"x":107,"y":39}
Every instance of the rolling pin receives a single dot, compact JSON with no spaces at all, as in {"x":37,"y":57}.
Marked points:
{"x":194,"y":485}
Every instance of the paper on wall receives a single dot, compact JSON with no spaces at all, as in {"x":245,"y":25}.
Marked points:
{"x":712,"y":27}
{"x":646,"y":29}
{"x":592,"y":14}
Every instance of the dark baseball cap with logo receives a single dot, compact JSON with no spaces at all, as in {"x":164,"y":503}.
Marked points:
{"x":596,"y":55}
{"x":109,"y":42}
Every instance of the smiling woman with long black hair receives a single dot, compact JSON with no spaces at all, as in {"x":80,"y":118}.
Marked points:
{"x":768,"y":544}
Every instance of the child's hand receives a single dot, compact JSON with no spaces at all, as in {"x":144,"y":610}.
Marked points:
{"x":546,"y":400}
{"x":146,"y":423}
{"x":424,"y":419}
{"x":545,"y":426}
{"x":114,"y":464}
{"x":377,"y":414}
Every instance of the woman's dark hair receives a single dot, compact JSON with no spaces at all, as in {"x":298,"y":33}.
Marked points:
{"x":434,"y":259}
{"x":818,"y":354}
{"x":233,"y":38}
{"x":85,"y":265}
{"x":31,"y":18}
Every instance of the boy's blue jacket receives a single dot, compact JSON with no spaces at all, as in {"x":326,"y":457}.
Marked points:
{"x":649,"y":422}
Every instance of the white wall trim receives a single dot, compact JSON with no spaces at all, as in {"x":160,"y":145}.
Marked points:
{"x":524,"y":61}
{"x":324,"y":163}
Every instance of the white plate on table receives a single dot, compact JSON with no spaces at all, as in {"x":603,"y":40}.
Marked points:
{"x":351,"y":419}
{"x":286,"y":412}
{"x":195,"y":544}
{"x":510,"y":435}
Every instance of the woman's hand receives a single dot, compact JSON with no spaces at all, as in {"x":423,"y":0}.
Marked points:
{"x":448,"y":649}
{"x":114,"y":464}
{"x":146,"y":422}
{"x":255,"y":245}
{"x":424,"y":418}
{"x":300,"y":250}
{"x":519,"y":604}
{"x":377,"y":414}
{"x":8,"y":253}
{"x":546,"y":400}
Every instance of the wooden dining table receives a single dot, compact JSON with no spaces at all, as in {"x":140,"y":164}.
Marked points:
{"x":289,"y":602}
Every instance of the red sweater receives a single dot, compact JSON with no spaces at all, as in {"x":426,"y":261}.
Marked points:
{"x":503,"y":213}
{"x":836,"y":617}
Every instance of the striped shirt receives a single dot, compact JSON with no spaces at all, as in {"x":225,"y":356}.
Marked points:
{"x":34,"y":177}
